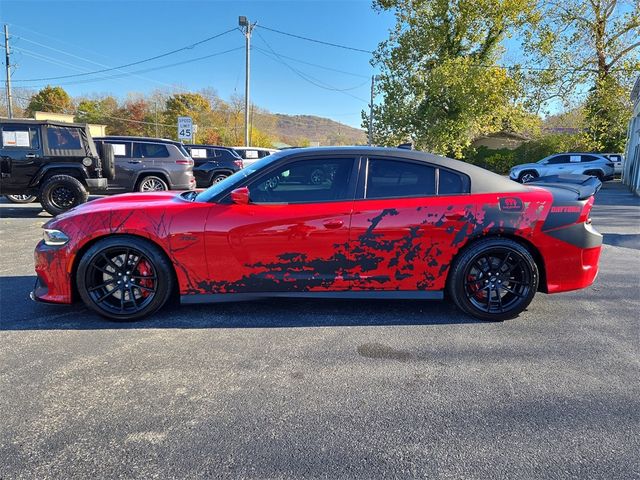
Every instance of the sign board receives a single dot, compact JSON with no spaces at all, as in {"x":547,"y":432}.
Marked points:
{"x":185,"y":128}
{"x":198,"y":153}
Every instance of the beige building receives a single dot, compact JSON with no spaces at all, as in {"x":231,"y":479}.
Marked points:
{"x":96,"y":130}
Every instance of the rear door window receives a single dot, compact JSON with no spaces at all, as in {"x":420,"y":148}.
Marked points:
{"x":150,"y":150}
{"x":396,"y":178}
{"x":198,"y":153}
{"x":589,"y":158}
{"x":558,"y":160}
{"x":63,"y":138}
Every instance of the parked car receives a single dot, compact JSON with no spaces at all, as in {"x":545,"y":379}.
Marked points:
{"x":212,"y":163}
{"x":391,"y":223}
{"x":253,"y":154}
{"x":57,"y":163}
{"x":618,"y":161}
{"x":592,"y":164}
{"x":147,"y":164}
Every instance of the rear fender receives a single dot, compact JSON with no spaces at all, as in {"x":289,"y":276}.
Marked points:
{"x":72,"y":169}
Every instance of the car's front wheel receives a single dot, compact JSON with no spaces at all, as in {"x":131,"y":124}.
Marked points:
{"x":494,"y":279}
{"x":124,"y":278}
{"x":218,"y":178}
{"x":21,"y":198}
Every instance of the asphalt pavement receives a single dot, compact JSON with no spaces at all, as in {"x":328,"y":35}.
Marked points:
{"x":325,"y":389}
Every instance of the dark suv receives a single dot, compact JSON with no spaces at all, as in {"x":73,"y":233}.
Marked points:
{"x":56,"y":162}
{"x":213,"y":163}
{"x":146,"y":164}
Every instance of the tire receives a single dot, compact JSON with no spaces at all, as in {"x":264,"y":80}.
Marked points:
{"x":152,"y":183}
{"x":595,"y":173}
{"x":504,"y":267}
{"x":21,"y":198}
{"x":107,"y":262}
{"x":60,"y":193}
{"x":218,"y":178}
{"x":527,"y":176}
{"x":108,"y":159}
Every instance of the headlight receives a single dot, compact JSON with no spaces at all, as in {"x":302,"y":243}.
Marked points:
{"x":54,"y":238}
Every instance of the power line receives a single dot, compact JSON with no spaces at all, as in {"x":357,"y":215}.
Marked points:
{"x":147,"y":70}
{"x":188,"y":47}
{"x":337,"y":45}
{"x":307,"y":77}
{"x":317,"y":65}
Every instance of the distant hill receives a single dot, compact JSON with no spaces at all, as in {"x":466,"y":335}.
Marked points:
{"x":299,"y":129}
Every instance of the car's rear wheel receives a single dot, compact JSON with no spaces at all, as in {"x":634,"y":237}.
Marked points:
{"x":595,"y":173}
{"x":124,"y":278}
{"x":527,"y":176}
{"x":21,"y":198}
{"x":218,"y":178}
{"x":60,"y":193}
{"x":152,"y":183}
{"x":494,"y":279}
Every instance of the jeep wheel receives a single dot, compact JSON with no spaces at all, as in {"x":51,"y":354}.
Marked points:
{"x":21,"y":198}
{"x":152,"y":184}
{"x":61,"y":193}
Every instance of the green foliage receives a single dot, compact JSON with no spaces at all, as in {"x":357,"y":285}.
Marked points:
{"x":607,"y":112}
{"x":440,"y":83}
{"x":50,"y":99}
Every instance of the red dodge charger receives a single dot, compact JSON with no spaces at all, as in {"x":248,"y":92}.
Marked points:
{"x":350,"y":222}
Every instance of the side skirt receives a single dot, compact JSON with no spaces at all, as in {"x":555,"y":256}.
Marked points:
{"x":364,"y":295}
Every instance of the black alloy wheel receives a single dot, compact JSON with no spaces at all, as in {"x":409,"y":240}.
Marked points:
{"x":495,"y":279}
{"x":124,"y":278}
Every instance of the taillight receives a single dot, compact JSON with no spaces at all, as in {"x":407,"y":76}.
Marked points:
{"x":238,"y":163}
{"x":184,"y":162}
{"x":586,"y":210}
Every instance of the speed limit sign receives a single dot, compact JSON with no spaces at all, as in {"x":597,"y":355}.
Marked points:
{"x":185,"y":128}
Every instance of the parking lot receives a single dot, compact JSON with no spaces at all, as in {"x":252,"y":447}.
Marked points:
{"x":333,"y":389}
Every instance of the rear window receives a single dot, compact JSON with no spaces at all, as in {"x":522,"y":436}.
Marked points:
{"x":63,"y":138}
{"x":150,"y":150}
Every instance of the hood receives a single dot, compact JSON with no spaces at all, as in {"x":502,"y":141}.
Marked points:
{"x":127,"y":201}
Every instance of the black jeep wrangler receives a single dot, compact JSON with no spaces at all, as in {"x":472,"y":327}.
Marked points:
{"x":54,"y":162}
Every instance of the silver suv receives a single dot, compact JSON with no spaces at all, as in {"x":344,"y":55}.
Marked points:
{"x":147,"y":164}
{"x":592,"y":164}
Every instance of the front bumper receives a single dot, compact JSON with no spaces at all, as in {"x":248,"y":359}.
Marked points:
{"x":53,"y":270}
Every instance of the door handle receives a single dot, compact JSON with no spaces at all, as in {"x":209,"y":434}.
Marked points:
{"x":134,"y":161}
{"x":333,"y":224}
{"x":30,"y":155}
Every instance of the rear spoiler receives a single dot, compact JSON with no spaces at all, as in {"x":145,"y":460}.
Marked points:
{"x":584,"y":186}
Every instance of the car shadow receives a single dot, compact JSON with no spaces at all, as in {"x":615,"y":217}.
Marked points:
{"x":19,"y":312}
{"x":628,"y":240}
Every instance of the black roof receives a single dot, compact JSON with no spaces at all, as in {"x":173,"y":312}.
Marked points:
{"x":31,"y":121}
{"x":194,"y":145}
{"x":126,"y":138}
{"x":482,"y":181}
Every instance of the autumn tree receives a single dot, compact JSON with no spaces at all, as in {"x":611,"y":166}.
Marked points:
{"x":50,"y":99}
{"x":440,"y":84}
{"x":99,"y":111}
{"x":590,"y":50}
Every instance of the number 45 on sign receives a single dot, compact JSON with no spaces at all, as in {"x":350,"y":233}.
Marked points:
{"x":185,"y":128}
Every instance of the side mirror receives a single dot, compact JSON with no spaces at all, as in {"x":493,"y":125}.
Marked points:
{"x":240,"y":196}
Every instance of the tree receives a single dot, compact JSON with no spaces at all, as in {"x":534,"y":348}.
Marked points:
{"x":591,"y":48}
{"x":99,"y":111}
{"x":440,"y":84}
{"x":191,"y":105}
{"x":50,"y":99}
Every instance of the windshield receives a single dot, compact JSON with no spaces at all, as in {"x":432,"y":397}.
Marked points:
{"x":235,"y":179}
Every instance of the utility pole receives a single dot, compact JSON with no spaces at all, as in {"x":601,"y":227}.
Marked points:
{"x":8,"y":70}
{"x":155,"y":107}
{"x":247,"y":29}
{"x":373,"y":81}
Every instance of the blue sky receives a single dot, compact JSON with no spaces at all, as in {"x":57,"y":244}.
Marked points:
{"x":55,"y":38}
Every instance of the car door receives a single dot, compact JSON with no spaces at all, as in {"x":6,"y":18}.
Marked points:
{"x":408,"y":220}
{"x":292,"y":236}
{"x":556,"y":165}
{"x":21,"y":156}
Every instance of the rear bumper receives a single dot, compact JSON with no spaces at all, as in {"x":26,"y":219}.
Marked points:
{"x":97,"y":183}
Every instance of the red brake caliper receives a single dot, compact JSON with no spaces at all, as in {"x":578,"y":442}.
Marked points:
{"x":144,"y":269}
